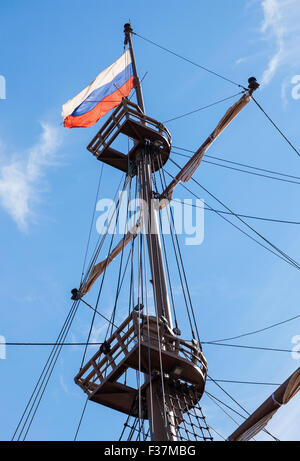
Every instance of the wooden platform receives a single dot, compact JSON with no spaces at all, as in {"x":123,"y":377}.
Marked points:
{"x":129,"y":120}
{"x":139,"y":345}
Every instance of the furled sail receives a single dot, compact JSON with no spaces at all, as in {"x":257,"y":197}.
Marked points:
{"x":260,"y":418}
{"x":99,"y":268}
{"x":189,"y":169}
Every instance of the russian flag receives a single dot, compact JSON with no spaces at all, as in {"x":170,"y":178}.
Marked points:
{"x":103,"y":94}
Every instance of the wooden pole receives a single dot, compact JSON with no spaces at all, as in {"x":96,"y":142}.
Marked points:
{"x":162,"y":428}
{"x":153,"y":236}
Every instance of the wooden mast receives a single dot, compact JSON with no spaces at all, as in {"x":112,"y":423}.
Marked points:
{"x":175,"y":370}
{"x":144,"y":174}
{"x":160,"y":426}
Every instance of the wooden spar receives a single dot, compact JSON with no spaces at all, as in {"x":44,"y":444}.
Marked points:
{"x":260,"y":418}
{"x":184,"y":175}
{"x":99,"y":268}
{"x":191,"y":166}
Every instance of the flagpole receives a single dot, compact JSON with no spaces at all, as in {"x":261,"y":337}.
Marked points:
{"x":137,"y":82}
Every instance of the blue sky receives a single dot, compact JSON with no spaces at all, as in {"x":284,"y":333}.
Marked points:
{"x":49,"y":52}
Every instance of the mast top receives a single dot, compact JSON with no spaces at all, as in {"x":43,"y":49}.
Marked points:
{"x":253,"y":85}
{"x":137,"y":83}
{"x":127,"y":30}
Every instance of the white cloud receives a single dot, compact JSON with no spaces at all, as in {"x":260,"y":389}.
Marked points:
{"x":98,"y":333}
{"x":63,"y":384}
{"x":241,"y":60}
{"x":281,"y":28}
{"x":20,"y":178}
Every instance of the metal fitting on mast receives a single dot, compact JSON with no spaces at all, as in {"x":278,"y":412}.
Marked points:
{"x":252,"y":84}
{"x":127,"y":30}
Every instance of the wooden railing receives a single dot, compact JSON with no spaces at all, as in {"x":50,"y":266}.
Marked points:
{"x":136,"y":328}
{"x":101,"y":365}
{"x":110,"y":130}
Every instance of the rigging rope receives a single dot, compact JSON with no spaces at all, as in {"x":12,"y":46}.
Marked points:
{"x":92,"y":222}
{"x":102,"y":237}
{"x":28,"y":415}
{"x":96,"y":343}
{"x":257,"y":331}
{"x":121,"y":262}
{"x":232,"y":224}
{"x":140,"y":303}
{"x":213,"y":399}
{"x":104,"y":272}
{"x":251,"y":172}
{"x":32,"y":406}
{"x":241,"y":170}
{"x":260,"y":348}
{"x":216,"y":400}
{"x":283,"y":256}
{"x":232,"y":381}
{"x":176,"y":249}
{"x":276,"y":126}
{"x":236,"y":163}
{"x":119,"y":286}
{"x":164,"y":249}
{"x":222,"y":77}
{"x":202,"y":108}
{"x":149,"y":351}
{"x":98,"y":313}
{"x":146,"y":163}
{"x":81,"y":418}
{"x":259,"y":218}
{"x":188,"y":60}
{"x":239,"y":405}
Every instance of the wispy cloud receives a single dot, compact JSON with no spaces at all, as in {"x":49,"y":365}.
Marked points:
{"x":21,"y":176}
{"x":241,"y":60}
{"x":281,"y":28}
{"x":63,"y":384}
